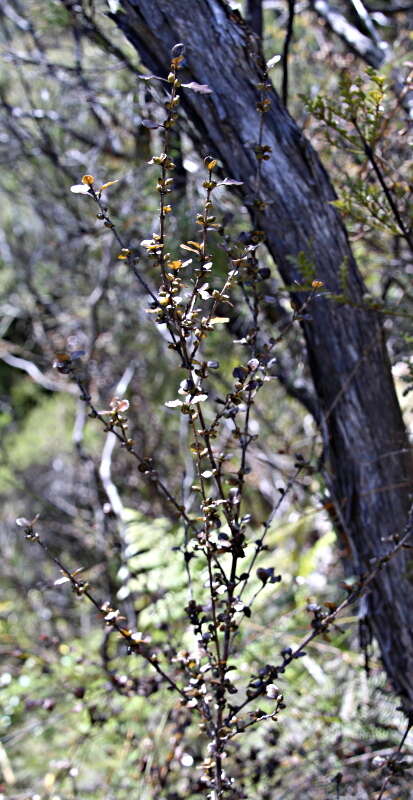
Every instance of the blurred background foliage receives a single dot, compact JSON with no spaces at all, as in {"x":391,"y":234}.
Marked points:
{"x":79,"y":717}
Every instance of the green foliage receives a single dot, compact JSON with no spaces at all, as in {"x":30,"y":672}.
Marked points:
{"x":356,"y":112}
{"x":356,"y":120}
{"x":306,"y":269}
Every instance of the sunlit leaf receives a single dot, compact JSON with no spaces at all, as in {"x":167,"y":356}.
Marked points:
{"x":80,"y":188}
{"x":122,"y":405}
{"x":191,"y":249}
{"x":201,"y":88}
{"x":150,"y":78}
{"x":49,"y":781}
{"x":203,"y":291}
{"x":107,"y":184}
{"x":112,"y":615}
{"x":230,"y":182}
{"x":273,"y":61}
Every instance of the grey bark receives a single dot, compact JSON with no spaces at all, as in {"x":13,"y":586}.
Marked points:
{"x":363,"y":44}
{"x":368,"y":466}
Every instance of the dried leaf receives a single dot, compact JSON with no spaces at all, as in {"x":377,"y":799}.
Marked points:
{"x":107,"y":184}
{"x":203,"y":291}
{"x":76,"y":354}
{"x":177,"y":61}
{"x":273,"y":61}
{"x":230,"y":182}
{"x":201,"y":88}
{"x":63,"y":358}
{"x":80,"y":188}
{"x":150,"y":77}
{"x":49,"y":781}
{"x":199,"y":398}
{"x":150,"y":244}
{"x":77,"y":571}
{"x":150,"y":123}
{"x":119,"y":405}
{"x":191,"y":249}
{"x":112,"y":615}
{"x":140,"y":638}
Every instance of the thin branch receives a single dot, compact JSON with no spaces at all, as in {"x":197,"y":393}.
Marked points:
{"x":254,"y":16}
{"x":286,"y":49}
{"x":35,"y":373}
{"x":383,"y":183}
{"x":82,"y":589}
{"x":358,"y":42}
{"x":322,"y":624}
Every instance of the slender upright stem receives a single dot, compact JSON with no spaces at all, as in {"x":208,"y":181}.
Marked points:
{"x":286,"y":48}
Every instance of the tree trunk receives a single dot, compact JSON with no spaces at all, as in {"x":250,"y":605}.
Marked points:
{"x":368,"y":466}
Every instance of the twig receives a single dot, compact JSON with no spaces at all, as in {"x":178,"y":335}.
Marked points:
{"x":286,"y":49}
{"x":82,"y":589}
{"x":360,"y":44}
{"x":323,"y":623}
